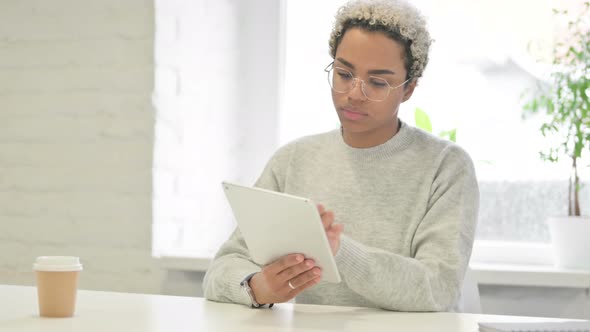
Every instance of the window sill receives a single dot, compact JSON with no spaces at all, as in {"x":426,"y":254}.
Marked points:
{"x":485,"y":274}
{"x":530,"y":275}
{"x":184,"y":261}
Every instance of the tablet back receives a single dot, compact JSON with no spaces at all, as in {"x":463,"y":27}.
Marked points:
{"x":275,"y":224}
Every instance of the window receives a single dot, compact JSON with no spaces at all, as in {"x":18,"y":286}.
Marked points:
{"x":477,"y":71}
{"x":473,"y":83}
{"x":217,"y":74}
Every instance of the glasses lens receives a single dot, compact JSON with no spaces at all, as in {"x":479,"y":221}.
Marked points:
{"x":341,"y":80}
{"x":376,"y":88}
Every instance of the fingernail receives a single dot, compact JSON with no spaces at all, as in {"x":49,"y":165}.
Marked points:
{"x":298,"y":258}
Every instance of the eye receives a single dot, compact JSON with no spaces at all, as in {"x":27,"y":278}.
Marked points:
{"x":343,"y":74}
{"x":378,"y":82}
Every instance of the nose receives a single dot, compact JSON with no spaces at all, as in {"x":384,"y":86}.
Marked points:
{"x":357,"y":92}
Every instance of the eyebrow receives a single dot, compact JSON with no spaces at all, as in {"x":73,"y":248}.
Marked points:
{"x":372,"y":71}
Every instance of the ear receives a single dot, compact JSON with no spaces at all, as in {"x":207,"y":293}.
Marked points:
{"x":409,"y":90}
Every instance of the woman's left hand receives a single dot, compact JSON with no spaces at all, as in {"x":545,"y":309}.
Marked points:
{"x":333,"y":230}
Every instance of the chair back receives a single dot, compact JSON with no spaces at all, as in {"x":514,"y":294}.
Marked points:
{"x":469,"y":301}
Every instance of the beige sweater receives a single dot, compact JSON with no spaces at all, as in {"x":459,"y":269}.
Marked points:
{"x":409,"y":209}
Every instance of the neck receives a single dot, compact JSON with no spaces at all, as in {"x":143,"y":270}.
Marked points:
{"x":368,"y":140}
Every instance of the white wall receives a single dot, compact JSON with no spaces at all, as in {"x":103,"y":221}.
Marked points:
{"x":76,"y":139}
{"x":77,"y":125}
{"x":217,"y":99}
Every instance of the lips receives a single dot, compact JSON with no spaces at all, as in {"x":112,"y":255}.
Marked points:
{"x":352,"y":114}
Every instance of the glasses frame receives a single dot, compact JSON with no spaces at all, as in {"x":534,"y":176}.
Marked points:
{"x":355,"y":79}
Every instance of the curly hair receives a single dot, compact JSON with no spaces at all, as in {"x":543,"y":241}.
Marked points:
{"x":398,"y":19}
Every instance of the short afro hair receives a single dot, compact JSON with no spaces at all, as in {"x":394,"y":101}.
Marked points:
{"x":398,"y":19}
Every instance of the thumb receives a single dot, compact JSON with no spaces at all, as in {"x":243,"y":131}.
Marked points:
{"x":338,"y":228}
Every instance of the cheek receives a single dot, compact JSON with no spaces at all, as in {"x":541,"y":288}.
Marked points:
{"x":337,"y":98}
{"x":388,"y":108}
{"x":384,"y":109}
{"x":396,"y":99}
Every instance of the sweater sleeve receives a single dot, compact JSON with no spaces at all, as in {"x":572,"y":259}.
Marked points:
{"x":429,"y":280}
{"x":233,"y":263}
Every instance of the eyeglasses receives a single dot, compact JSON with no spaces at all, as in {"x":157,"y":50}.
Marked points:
{"x":343,"y":81}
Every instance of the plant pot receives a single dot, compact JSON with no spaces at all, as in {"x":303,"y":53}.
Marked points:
{"x":570,"y":237}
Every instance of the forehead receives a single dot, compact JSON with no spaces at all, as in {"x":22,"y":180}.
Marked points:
{"x":368,"y":50}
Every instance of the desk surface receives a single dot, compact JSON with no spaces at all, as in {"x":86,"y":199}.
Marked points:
{"x":107,"y":311}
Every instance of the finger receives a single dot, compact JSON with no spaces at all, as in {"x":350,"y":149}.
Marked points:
{"x":295,"y":270}
{"x":305,"y":277}
{"x":337,"y":228}
{"x":312,"y":282}
{"x":335,"y":231}
{"x":333,"y":235}
{"x":327,"y":219}
{"x":283,"y":263}
{"x":321,"y":209}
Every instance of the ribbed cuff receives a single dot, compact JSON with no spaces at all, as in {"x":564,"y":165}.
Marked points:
{"x":235,"y":291}
{"x":352,"y":260}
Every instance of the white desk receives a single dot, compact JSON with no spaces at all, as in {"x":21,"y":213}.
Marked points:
{"x":106,"y":311}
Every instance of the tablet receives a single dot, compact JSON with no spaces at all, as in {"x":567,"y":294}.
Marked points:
{"x":275,"y":224}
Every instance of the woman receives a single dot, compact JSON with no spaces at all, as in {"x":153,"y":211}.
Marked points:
{"x":399,"y":205}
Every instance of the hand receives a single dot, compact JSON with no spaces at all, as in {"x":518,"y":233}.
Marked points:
{"x":333,"y":230}
{"x":285,"y":278}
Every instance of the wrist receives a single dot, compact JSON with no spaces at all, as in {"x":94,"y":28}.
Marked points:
{"x":246,"y":286}
{"x":255,"y":286}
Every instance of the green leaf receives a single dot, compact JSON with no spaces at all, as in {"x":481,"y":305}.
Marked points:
{"x":451,"y":135}
{"x":422,"y":120}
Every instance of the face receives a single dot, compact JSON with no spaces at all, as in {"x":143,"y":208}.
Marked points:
{"x":365,"y":54}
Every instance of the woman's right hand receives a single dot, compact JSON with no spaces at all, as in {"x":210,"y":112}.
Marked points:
{"x":284,"y":279}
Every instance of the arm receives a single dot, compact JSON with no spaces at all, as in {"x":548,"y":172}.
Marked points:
{"x":431,"y":279}
{"x":233,"y":263}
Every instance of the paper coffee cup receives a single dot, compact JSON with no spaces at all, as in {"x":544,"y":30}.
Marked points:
{"x":57,"y":284}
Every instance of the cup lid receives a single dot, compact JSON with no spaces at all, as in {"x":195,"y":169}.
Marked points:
{"x":57,"y":263}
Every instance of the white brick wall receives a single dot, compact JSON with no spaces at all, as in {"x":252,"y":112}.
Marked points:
{"x":76,"y":139}
{"x":78,"y":133}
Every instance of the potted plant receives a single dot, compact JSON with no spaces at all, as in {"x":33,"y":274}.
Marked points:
{"x":564,"y":104}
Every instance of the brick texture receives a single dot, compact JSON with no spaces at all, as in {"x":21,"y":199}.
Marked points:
{"x":77,"y":140}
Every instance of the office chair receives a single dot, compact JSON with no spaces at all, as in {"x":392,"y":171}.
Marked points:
{"x":469,"y":301}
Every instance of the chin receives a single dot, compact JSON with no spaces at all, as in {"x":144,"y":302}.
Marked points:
{"x":352,"y":127}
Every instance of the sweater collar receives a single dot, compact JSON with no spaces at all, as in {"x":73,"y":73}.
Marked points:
{"x":397,"y":143}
